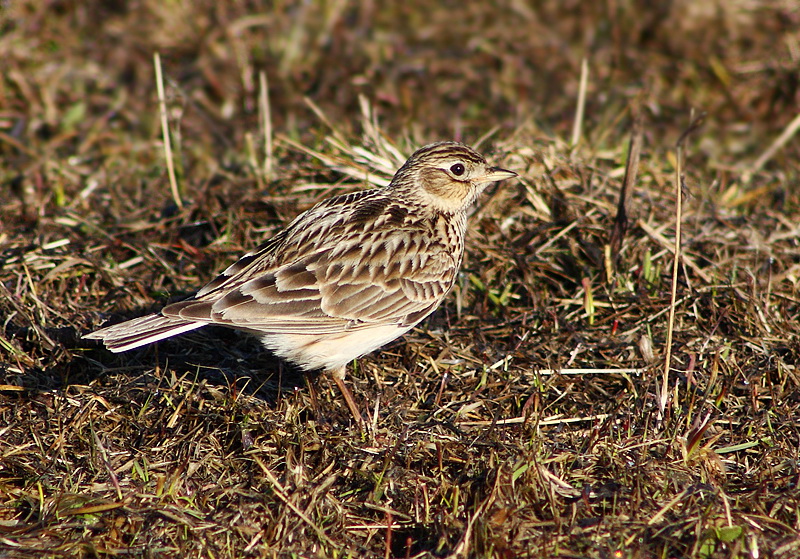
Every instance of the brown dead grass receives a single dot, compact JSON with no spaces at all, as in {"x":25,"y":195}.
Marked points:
{"x":205,"y":446}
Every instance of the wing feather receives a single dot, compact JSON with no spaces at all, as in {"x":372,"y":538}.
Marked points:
{"x":334,"y":272}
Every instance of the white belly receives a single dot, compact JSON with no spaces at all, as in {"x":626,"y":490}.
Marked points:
{"x":331,"y":351}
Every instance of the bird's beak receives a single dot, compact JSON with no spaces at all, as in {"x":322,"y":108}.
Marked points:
{"x":497,"y":174}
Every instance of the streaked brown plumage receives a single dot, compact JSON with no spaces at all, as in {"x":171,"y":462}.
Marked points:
{"x":347,"y":276}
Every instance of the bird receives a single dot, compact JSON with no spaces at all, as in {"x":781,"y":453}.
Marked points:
{"x":344,"y":278}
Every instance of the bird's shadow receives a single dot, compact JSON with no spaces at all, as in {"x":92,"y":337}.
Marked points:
{"x":219,"y":357}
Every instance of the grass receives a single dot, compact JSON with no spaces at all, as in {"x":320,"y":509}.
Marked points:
{"x":523,"y":418}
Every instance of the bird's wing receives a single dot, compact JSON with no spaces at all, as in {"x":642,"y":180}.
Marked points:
{"x":332,"y":274}
{"x":306,"y":230}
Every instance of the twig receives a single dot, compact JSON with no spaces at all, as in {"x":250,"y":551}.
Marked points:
{"x":281,"y":494}
{"x":369,"y":172}
{"x":776,"y":145}
{"x":162,"y":107}
{"x":523,"y":419}
{"x":686,"y":260}
{"x":266,"y":115}
{"x":577,"y":126}
{"x":591,"y":371}
{"x":462,"y":549}
{"x":679,"y":186}
{"x":374,"y":137}
{"x":626,"y":193}
{"x":325,"y":120}
{"x":665,"y":509}
{"x":106,"y":462}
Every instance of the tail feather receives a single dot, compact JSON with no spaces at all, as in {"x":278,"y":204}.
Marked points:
{"x":142,"y":331}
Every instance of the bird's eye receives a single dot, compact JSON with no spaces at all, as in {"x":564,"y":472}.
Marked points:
{"x":457,"y":169}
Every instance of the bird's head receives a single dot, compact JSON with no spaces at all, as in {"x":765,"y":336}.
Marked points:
{"x":447,"y":176}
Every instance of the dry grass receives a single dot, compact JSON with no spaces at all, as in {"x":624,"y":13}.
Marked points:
{"x":205,"y":446}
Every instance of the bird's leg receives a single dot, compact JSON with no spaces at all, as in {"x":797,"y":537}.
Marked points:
{"x":338,"y":378}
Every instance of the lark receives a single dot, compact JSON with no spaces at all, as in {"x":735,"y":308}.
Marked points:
{"x":344,"y":278}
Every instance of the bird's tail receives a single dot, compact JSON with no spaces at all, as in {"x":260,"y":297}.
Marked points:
{"x":142,"y":331}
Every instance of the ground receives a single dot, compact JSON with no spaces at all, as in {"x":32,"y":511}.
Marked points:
{"x":532,"y":415}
